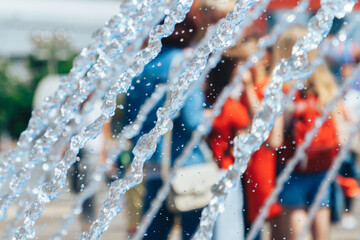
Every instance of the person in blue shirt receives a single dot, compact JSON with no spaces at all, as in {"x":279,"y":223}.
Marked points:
{"x":188,"y":118}
{"x":202,"y":14}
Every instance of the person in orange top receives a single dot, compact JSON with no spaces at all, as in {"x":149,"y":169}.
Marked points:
{"x":259,"y":178}
{"x":233,"y":120}
{"x":299,"y":191}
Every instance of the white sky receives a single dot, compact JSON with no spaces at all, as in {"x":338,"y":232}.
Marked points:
{"x":80,"y":18}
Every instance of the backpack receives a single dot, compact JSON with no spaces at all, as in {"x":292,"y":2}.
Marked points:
{"x":324,"y":147}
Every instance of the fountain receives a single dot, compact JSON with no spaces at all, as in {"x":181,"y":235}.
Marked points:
{"x":107,"y":66}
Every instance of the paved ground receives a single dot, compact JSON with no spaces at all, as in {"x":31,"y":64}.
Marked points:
{"x":51,"y":218}
{"x":50,"y":221}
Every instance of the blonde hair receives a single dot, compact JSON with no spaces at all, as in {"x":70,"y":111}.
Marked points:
{"x":322,"y":83}
{"x":283,"y":46}
{"x":220,"y":5}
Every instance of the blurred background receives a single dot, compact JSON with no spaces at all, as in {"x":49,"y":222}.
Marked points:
{"x":38,"y":42}
{"x":40,"y":39}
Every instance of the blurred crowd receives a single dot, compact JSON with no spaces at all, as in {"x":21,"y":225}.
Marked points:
{"x":288,"y":216}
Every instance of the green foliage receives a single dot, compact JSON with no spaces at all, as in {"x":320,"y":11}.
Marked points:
{"x":15,"y":103}
{"x":63,"y":67}
{"x":38,"y":69}
{"x":16,"y":97}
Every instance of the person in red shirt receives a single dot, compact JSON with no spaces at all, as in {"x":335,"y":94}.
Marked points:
{"x":233,"y":120}
{"x":259,"y":178}
{"x":300,"y":116}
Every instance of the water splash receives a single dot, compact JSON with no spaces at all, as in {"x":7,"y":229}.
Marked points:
{"x":49,"y":191}
{"x":96,"y":170}
{"x":86,"y":85}
{"x":204,"y":128}
{"x":86,"y":133}
{"x":146,"y":145}
{"x":54,"y":156}
{"x":297,"y":67}
{"x":58,"y":172}
{"x":165,"y":188}
{"x":100,"y":169}
{"x":128,"y":132}
{"x":300,"y":150}
{"x":133,"y":129}
{"x":82,"y":64}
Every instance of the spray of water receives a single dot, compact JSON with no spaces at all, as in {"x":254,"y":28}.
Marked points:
{"x":300,"y":150}
{"x":128,"y":132}
{"x":53,"y":158}
{"x":11,"y":227}
{"x":86,"y":85}
{"x":133,"y":129}
{"x":50,"y":190}
{"x":204,"y":128}
{"x":82,"y":64}
{"x":297,"y":67}
{"x":254,"y":13}
{"x":147,"y":143}
{"x":164,"y":190}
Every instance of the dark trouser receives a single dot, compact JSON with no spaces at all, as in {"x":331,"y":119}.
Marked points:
{"x":164,"y":220}
{"x":349,"y":169}
{"x":78,"y":183}
{"x":247,"y":230}
{"x":247,"y":224}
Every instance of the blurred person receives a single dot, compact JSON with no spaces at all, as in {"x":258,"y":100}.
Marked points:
{"x":259,"y":177}
{"x":156,"y":72}
{"x":190,"y":116}
{"x":232,"y":121}
{"x":348,"y":172}
{"x":342,"y":60}
{"x":300,"y":190}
